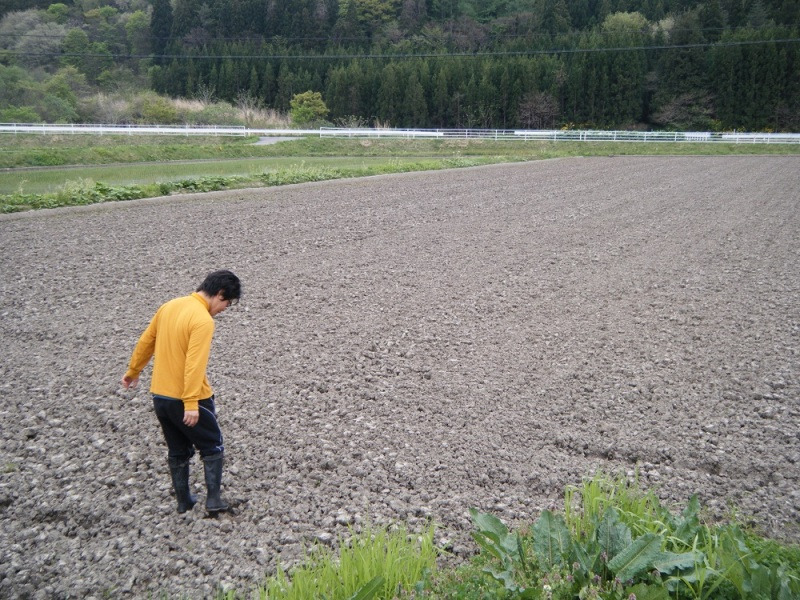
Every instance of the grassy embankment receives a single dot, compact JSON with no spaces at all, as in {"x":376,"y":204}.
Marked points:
{"x":612,"y":541}
{"x":48,"y":171}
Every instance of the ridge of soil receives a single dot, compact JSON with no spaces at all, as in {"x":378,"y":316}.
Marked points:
{"x":407,"y":347}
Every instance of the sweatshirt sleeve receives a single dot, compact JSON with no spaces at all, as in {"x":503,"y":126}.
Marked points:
{"x":144,"y":349}
{"x":197,"y":353}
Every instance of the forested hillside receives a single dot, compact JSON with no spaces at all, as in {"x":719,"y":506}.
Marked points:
{"x":660,"y":64}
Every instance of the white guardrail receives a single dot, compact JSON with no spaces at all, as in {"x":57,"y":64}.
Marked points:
{"x":97,"y":129}
{"x":555,"y":135}
{"x":569,"y":135}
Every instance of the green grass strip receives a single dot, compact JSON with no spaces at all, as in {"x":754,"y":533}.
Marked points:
{"x":402,"y":561}
{"x":37,"y":151}
{"x":86,"y":192}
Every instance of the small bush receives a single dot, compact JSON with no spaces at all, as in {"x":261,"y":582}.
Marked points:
{"x":21,"y":114}
{"x":220,"y":113}
{"x":307,"y":108}
{"x":300,"y":175}
{"x":150,"y":108}
{"x":207,"y":184}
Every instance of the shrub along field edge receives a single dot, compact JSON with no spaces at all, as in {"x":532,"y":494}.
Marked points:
{"x":41,"y":151}
{"x":88,"y":192}
{"x":612,"y":541}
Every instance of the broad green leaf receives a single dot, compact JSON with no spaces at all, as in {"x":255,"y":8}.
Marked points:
{"x":667,"y":562}
{"x":612,"y":535}
{"x":788,"y":585}
{"x":690,"y":523}
{"x":505,"y":577}
{"x":551,"y":541}
{"x":494,"y":537}
{"x":488,"y":523}
{"x":369,"y":589}
{"x":760,"y":582}
{"x":490,"y":543}
{"x":694,"y":576}
{"x":733,"y":558}
{"x":582,"y":557}
{"x":637,"y":557}
{"x":787,"y":591}
{"x":511,"y":548}
{"x":732,"y":540}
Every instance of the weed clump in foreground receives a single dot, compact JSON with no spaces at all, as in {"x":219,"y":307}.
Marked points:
{"x":375,"y":563}
{"x":615,"y":542}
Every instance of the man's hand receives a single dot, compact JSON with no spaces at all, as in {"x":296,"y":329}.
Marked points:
{"x":129,"y":382}
{"x":190,"y":417}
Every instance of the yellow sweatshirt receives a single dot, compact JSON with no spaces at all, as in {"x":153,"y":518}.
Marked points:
{"x":180,"y":337}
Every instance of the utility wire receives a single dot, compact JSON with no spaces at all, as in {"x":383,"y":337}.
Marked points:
{"x":554,"y":51}
{"x":277,"y":38}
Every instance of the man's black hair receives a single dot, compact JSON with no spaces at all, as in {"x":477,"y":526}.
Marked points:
{"x":222,"y":281}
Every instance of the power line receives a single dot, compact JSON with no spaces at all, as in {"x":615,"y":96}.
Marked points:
{"x":278,"y":38}
{"x":405,"y":56}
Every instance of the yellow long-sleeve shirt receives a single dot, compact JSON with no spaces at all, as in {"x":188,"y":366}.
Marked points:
{"x":180,"y":336}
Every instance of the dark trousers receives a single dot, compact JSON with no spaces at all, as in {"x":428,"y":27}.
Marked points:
{"x":181,"y":439}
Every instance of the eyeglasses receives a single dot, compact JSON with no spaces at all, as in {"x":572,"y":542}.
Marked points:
{"x":232,"y":302}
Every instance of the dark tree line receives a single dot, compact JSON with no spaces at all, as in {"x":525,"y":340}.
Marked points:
{"x":537,"y":63}
{"x":743,"y":81}
{"x":682,"y":64}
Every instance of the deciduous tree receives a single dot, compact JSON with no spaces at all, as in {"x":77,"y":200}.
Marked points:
{"x":308,"y":107}
{"x":538,"y":110}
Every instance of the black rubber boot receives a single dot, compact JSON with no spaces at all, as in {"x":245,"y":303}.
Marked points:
{"x":213,"y":469}
{"x":180,"y":481}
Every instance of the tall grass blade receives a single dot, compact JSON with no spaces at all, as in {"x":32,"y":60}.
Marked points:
{"x":393,"y":558}
{"x":370,"y":589}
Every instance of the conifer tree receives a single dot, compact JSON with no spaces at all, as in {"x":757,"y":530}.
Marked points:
{"x":415,"y":108}
{"x":268,"y":87}
{"x":161,"y":28}
{"x":440,"y":100}
{"x":389,"y":95}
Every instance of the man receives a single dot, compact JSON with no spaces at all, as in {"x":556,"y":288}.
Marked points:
{"x":180,"y":336}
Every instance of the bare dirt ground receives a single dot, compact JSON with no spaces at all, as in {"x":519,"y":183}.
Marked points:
{"x":408,"y":347}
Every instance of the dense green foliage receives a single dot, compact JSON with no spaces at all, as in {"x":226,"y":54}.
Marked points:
{"x":615,"y":541}
{"x":675,"y":64}
{"x":374,"y":563}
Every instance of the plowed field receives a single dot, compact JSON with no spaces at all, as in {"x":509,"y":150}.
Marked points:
{"x":407,"y":347}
